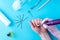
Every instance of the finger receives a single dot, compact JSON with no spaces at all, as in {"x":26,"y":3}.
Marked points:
{"x":39,"y":22}
{"x":35,"y":21}
{"x":32,"y":23}
{"x":32,"y":26}
{"x":45,"y":26}
{"x":46,"y":20}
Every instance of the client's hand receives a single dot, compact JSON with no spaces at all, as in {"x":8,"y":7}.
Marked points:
{"x":36,"y":25}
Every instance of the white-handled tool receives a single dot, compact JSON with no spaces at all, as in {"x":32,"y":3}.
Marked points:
{"x":4,"y":19}
{"x":43,"y":4}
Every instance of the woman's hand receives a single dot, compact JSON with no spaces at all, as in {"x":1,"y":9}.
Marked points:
{"x":37,"y":26}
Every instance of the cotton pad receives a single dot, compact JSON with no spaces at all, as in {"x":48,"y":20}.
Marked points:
{"x":4,"y":19}
{"x":16,"y":5}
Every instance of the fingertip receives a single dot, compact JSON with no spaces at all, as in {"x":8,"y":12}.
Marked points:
{"x":45,"y":26}
{"x":46,"y":20}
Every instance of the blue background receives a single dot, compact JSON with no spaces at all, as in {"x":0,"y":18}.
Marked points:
{"x":51,"y":10}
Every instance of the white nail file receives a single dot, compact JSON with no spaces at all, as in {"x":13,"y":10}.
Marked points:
{"x":43,"y":4}
{"x":4,"y":19}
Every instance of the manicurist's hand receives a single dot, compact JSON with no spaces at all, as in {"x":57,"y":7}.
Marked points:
{"x":52,"y":29}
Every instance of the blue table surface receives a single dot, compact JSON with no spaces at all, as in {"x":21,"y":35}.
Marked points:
{"x":51,"y":10}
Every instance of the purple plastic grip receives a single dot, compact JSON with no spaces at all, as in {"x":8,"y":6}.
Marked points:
{"x":53,"y":22}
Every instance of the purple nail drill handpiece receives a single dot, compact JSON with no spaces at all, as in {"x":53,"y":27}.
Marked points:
{"x":53,"y":29}
{"x":53,"y":22}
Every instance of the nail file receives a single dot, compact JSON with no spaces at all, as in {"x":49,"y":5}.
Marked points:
{"x":43,"y":4}
{"x":4,"y":19}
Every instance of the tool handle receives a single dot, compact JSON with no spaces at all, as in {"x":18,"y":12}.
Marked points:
{"x":53,"y":22}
